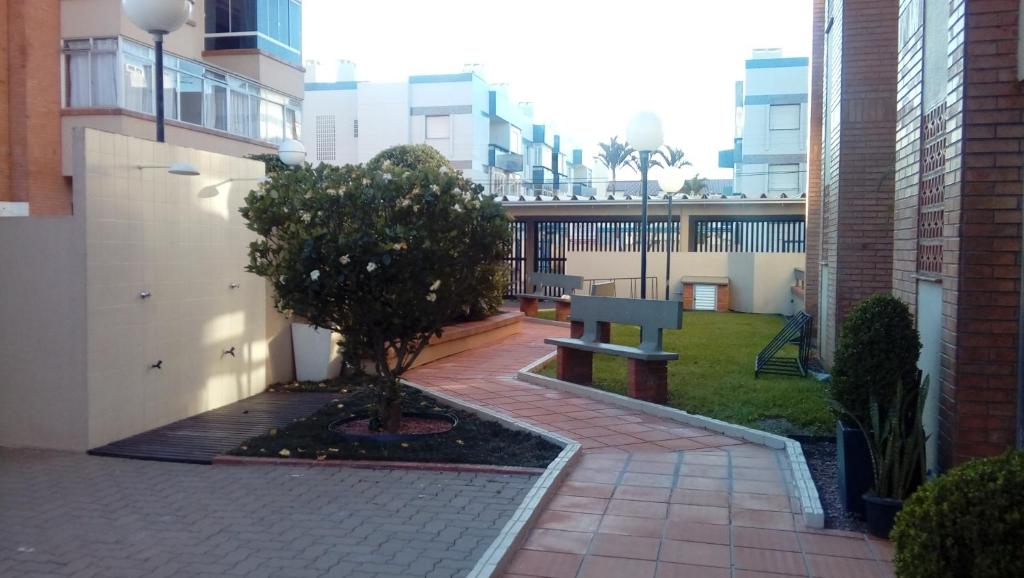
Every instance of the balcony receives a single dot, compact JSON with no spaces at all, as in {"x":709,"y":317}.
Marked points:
{"x":504,"y":159}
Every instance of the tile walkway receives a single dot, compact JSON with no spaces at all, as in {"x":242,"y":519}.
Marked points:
{"x":69,"y":514}
{"x":651,"y":497}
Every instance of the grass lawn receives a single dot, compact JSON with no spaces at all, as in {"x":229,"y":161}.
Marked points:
{"x":714,"y":375}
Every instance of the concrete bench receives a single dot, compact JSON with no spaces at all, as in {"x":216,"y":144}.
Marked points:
{"x":648,"y":362}
{"x":529,"y":302}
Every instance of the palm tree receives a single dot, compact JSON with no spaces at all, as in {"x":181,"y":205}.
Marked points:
{"x":695,"y":186}
{"x":615,"y":154}
{"x":669,"y":157}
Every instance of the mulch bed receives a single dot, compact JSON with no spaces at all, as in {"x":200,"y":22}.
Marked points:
{"x":472,"y":441}
{"x":820,"y":453}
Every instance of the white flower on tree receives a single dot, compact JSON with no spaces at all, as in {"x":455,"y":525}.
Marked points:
{"x":314,"y":274}
{"x":344,"y":260}
{"x":431,"y":296}
{"x":370,"y":267}
{"x":435,"y":285}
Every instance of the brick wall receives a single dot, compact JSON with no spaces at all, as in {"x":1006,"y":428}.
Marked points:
{"x":30,"y":145}
{"x":814,"y":180}
{"x":858,"y":184}
{"x":983,"y":230}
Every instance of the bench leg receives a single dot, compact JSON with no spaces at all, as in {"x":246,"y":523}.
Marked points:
{"x":575,"y":366}
{"x":604,"y":331}
{"x":562,"y":311}
{"x":529,"y":306}
{"x":648,"y":380}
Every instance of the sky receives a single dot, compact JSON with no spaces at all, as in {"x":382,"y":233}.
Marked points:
{"x":588,"y":66}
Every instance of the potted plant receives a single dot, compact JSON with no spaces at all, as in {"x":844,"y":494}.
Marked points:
{"x":384,"y":254}
{"x":895,"y":440}
{"x":878,"y":346}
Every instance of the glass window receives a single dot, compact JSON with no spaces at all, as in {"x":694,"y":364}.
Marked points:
{"x":515,"y":140}
{"x":784,"y":116}
{"x":239,"y":119}
{"x":77,"y":79}
{"x":216,"y":101}
{"x":293,"y":123}
{"x":243,"y":15}
{"x":783,"y":178}
{"x":191,"y":94}
{"x":218,"y":17}
{"x":271,"y":121}
{"x":138,"y":84}
{"x":438,"y":127}
{"x":295,"y":25}
{"x":170,"y":94}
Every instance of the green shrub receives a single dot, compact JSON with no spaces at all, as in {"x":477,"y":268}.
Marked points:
{"x":878,"y":346}
{"x":966,"y":523}
{"x":385,"y":254}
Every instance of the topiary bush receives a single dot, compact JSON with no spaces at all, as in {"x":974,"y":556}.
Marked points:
{"x":878,"y":346}
{"x":385,"y":254}
{"x":968,"y":522}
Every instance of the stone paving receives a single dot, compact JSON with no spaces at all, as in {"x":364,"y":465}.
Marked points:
{"x":651,"y":497}
{"x":65,"y":514}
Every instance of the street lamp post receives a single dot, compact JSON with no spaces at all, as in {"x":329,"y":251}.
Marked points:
{"x":671,"y":180}
{"x":291,"y":152}
{"x":159,"y":18}
{"x":645,"y":135}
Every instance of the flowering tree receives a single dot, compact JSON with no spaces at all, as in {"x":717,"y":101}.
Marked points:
{"x":385,"y":254}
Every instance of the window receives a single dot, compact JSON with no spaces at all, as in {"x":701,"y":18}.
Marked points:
{"x":325,"y":137}
{"x":439,"y":127}
{"x":120,"y":73}
{"x":90,"y":72}
{"x":784,"y":117}
{"x":515,"y":140}
{"x":783,"y":178}
{"x":355,"y":128}
{"x":273,"y":26}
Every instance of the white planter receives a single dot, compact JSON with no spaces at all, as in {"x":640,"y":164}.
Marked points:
{"x":316,"y":353}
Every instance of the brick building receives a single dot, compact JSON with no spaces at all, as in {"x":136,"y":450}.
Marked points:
{"x":954,"y":110}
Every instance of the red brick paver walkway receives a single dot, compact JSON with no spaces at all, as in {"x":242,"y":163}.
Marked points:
{"x":651,"y":497}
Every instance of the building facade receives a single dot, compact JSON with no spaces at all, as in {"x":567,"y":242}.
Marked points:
{"x":475,"y":125}
{"x":924,"y":96}
{"x":233,"y":82}
{"x":770,"y":154}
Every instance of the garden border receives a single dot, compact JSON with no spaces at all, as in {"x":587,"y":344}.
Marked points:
{"x":229,"y":460}
{"x":810,"y":502}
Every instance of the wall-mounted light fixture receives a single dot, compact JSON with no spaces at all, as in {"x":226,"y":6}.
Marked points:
{"x":184,"y":169}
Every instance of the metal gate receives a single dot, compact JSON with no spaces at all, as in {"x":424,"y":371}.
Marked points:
{"x":549,"y":250}
{"x":516,"y":259}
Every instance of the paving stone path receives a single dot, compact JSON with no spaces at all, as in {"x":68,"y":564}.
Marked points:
{"x":66,"y":514}
{"x":651,"y":497}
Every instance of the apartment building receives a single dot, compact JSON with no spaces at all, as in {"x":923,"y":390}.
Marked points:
{"x":493,"y":140}
{"x":769,"y":158}
{"x":921,"y":112}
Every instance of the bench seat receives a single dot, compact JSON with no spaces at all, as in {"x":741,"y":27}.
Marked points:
{"x":541,"y":297}
{"x":612,"y":349}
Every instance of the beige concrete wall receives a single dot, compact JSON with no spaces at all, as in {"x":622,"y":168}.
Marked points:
{"x":181,"y":239}
{"x":143,"y":127}
{"x":42,"y":333}
{"x":260,"y":67}
{"x":760,"y":282}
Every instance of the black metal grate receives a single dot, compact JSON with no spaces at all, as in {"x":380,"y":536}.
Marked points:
{"x":783,"y":234}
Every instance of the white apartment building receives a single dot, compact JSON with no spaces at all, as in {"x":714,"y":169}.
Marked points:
{"x":493,"y":140}
{"x":770,"y":154}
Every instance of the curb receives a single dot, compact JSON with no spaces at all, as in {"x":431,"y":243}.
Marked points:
{"x":513,"y":534}
{"x":542,"y":321}
{"x":228,"y":460}
{"x":810,"y":502}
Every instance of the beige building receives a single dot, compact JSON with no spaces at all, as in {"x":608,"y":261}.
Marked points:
{"x":126,"y":303}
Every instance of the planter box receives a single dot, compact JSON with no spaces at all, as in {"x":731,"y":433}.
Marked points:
{"x":316,"y":353}
{"x":855,"y":474}
{"x":471,"y":334}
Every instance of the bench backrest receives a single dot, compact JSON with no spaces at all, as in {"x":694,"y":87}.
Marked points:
{"x":651,"y":315}
{"x":567,"y":283}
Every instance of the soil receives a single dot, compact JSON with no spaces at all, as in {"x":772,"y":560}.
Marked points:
{"x":472,"y":441}
{"x":820,"y":453}
{"x":410,"y":425}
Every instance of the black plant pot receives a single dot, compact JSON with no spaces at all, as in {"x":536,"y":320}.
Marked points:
{"x":855,"y":470}
{"x":881,"y":514}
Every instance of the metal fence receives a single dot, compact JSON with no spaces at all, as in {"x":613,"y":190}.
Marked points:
{"x":759,"y":234}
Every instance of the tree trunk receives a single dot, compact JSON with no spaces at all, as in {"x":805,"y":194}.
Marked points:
{"x":390,"y":407}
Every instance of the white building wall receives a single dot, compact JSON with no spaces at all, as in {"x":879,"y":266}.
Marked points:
{"x":383,"y":112}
